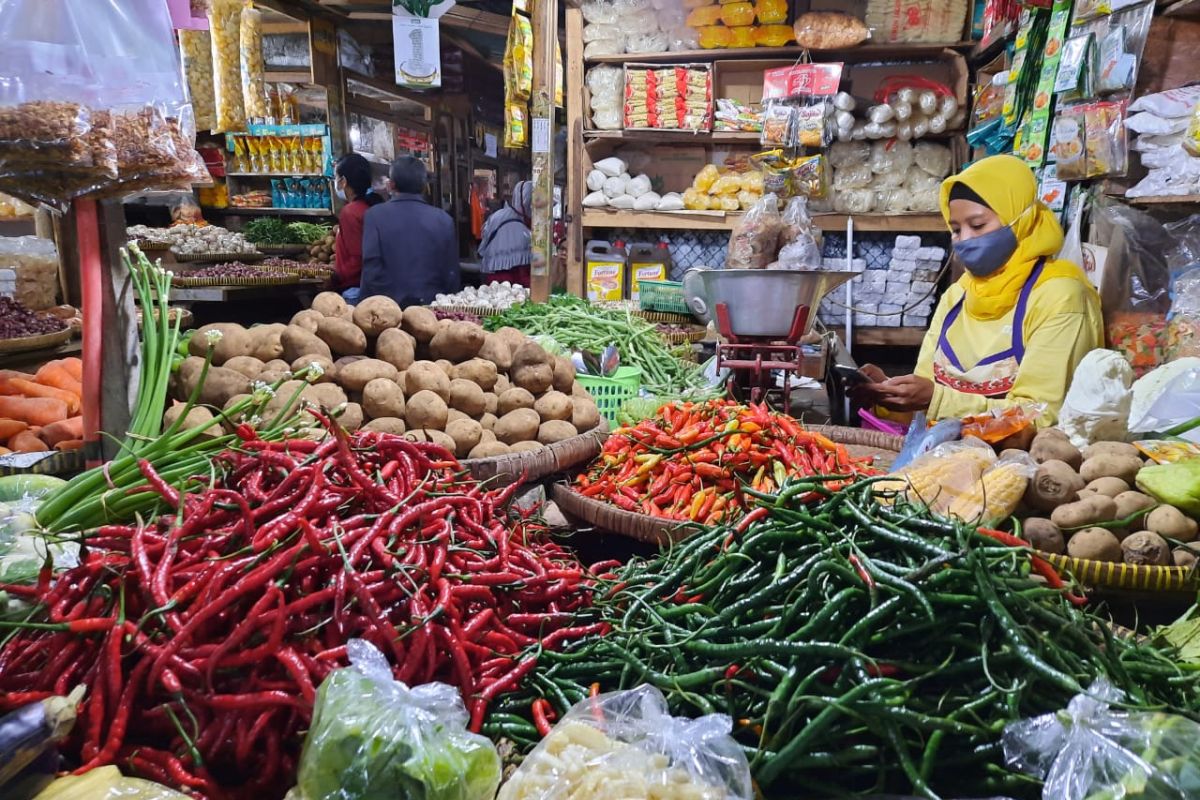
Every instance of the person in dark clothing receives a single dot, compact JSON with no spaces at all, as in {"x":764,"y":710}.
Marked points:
{"x":410,"y":248}
{"x":352,"y":181}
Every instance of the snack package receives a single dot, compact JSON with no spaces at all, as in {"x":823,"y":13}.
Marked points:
{"x":195,"y":48}
{"x":778,"y":126}
{"x":829,"y":30}
{"x":254,"y":91}
{"x":1095,"y":749}
{"x":627,"y":744}
{"x":225,"y":23}
{"x":373,"y":736}
{"x":755,"y":237}
{"x":928,"y":21}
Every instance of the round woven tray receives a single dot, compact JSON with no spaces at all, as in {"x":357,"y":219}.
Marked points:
{"x":537,"y":464}
{"x":667,"y":317}
{"x":64,"y":462}
{"x":186,"y":318}
{"x":479,"y":311}
{"x":23,"y":344}
{"x":276,"y":279}
{"x":217,"y":258}
{"x":1126,"y":577}
{"x":283,"y":249}
{"x":697,"y":334}
{"x":151,"y":246}
{"x":645,"y":528}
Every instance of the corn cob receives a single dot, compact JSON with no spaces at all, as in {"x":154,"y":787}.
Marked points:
{"x":994,"y":497}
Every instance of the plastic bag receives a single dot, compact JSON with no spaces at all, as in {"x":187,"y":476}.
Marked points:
{"x":1092,"y":751}
{"x":29,"y":270}
{"x":845,"y":154}
{"x":196,"y":51}
{"x":1096,"y":407}
{"x":225,"y":23}
{"x":373,"y":736}
{"x":854,"y":201}
{"x":829,"y":30}
{"x":627,"y":745}
{"x":1166,"y":397}
{"x":932,"y":158}
{"x":254,"y":90}
{"x":891,"y":156}
{"x":107,"y":783}
{"x":755,"y":237}
{"x":959,"y":466}
{"x":853,"y":176}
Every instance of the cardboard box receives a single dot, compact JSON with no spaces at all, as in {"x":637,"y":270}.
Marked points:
{"x":743,"y":80}
{"x":949,"y":67}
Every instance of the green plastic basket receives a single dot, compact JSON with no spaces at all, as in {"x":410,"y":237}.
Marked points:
{"x":662,"y":296}
{"x":611,"y":393}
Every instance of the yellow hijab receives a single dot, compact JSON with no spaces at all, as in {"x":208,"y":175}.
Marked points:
{"x":1009,"y":188}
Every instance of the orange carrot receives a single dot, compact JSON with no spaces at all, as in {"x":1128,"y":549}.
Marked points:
{"x":69,"y":444}
{"x":34,"y":410}
{"x":30,"y":389}
{"x":8,"y":374}
{"x":27,"y":443}
{"x":11,"y":427}
{"x":52,"y":374}
{"x":74,"y":367}
{"x":63,"y":431}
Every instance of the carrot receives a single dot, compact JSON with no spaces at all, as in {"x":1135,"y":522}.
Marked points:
{"x":69,"y":444}
{"x":30,"y":389}
{"x":74,"y":367}
{"x":34,"y":410}
{"x":7,"y":374}
{"x":11,"y":427}
{"x":53,"y":374}
{"x":27,"y":443}
{"x":63,"y":431}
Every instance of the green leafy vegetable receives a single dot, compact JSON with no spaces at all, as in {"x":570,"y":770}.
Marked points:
{"x":266,"y":230}
{"x":307,"y":232}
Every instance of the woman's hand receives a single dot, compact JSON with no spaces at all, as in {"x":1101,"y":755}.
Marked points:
{"x":866,"y":394}
{"x":905,"y":393}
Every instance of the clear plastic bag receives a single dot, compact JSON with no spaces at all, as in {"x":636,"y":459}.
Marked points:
{"x":829,"y":30}
{"x":373,"y":736}
{"x":891,"y":156}
{"x":845,"y":154}
{"x":932,"y":158}
{"x":602,"y":11}
{"x":254,"y":88}
{"x":1096,"y":406}
{"x":1092,"y":751}
{"x":196,"y":50}
{"x":627,"y":745}
{"x":853,"y":176}
{"x":755,"y":237}
{"x":854,"y":201}
{"x":894,"y":200}
{"x":30,"y":265}
{"x":225,"y":23}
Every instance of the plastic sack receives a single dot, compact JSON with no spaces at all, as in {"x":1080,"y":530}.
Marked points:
{"x":603,"y":11}
{"x":897,"y":200}
{"x":29,"y":270}
{"x":106,"y":783}
{"x":853,"y":176}
{"x":755,"y":237}
{"x":932,"y":158}
{"x":196,"y":51}
{"x":829,"y":30}
{"x":854,"y":201}
{"x":1096,"y":407}
{"x":225,"y":23}
{"x":254,"y":88}
{"x":1166,"y":397}
{"x":891,"y":156}
{"x":627,"y":745}
{"x":1092,"y":751}
{"x":372,"y":736}
{"x":845,"y":154}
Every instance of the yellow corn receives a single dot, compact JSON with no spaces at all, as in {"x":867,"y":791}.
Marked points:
{"x":936,"y":481}
{"x":994,"y":497}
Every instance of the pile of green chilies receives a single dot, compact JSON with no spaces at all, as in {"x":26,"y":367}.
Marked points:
{"x":577,"y":324}
{"x":857,"y":648}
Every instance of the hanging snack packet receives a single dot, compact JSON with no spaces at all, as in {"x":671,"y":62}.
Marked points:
{"x":1076,"y":70}
{"x":810,"y":176}
{"x":225,"y":21}
{"x":1107,"y":153}
{"x":755,"y":238}
{"x":1069,"y":145}
{"x":779,"y":126}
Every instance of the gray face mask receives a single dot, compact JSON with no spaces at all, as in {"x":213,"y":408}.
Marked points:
{"x":983,"y":255}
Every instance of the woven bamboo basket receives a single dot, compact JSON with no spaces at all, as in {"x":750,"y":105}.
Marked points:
{"x":1126,"y":577}
{"x":65,"y":462}
{"x":217,"y":258}
{"x":276,"y":279}
{"x":696,"y":334}
{"x":665,"y":317}
{"x":43,"y":341}
{"x":537,"y":464}
{"x":283,"y":249}
{"x":644,"y":528}
{"x":151,"y":246}
{"x":479,"y":311}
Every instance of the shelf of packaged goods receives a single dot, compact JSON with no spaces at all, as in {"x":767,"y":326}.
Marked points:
{"x":285,"y":212}
{"x":723,"y":221}
{"x":1165,"y":200}
{"x":684,"y":137}
{"x":864,"y":52}
{"x":276,"y":175}
{"x":885,"y":337}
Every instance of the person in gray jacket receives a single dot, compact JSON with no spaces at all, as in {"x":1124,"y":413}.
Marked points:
{"x":504,"y":247}
{"x":410,"y":248}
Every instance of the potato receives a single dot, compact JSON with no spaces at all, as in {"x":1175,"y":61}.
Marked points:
{"x":1111,"y":466}
{"x":535,"y":378}
{"x":564,"y":374}
{"x":490,"y":402}
{"x":1043,"y":534}
{"x":299,"y":342}
{"x":488,"y":421}
{"x":425,"y":375}
{"x":479,"y":371}
{"x":221,"y":384}
{"x":454,"y":414}
{"x":285,"y":397}
{"x":443,"y":324}
{"x":1095,"y":544}
{"x":1109,"y":487}
{"x":553,"y":405}
{"x":1111,"y":449}
{"x":1054,"y":484}
{"x":197,"y":417}
{"x":249,"y":366}
{"x":230,"y":403}
{"x":458,"y":342}
{"x":1182,"y":557}
{"x":497,"y":351}
{"x":1055,"y":448}
{"x":512,"y":337}
{"x":355,"y":377}
{"x":1130,"y":503}
{"x":1170,"y":522}
{"x":555,"y":431}
{"x":272,"y":376}
{"x":386,"y":425}
{"x":346,"y":361}
{"x":1096,"y":508}
{"x":489,"y":450}
{"x":467,"y":397}
{"x":1021,"y":440}
{"x":502,"y":385}
{"x":584,"y":414}
{"x":350,"y":415}
{"x":518,"y":425}
{"x":343,"y":337}
{"x":514,"y":399}
{"x":437,"y":437}
{"x":302,"y":364}
{"x":1146,"y":547}
{"x":395,"y":347}
{"x":420,"y":322}
{"x":529,"y":354}
{"x":277,"y":364}
{"x":527,"y":447}
{"x":487,"y":436}
{"x":235,"y":341}
{"x":325,"y":395}
{"x":466,"y":434}
{"x":425,"y":409}
{"x":265,"y":341}
{"x":1057,"y":433}
{"x":374,"y":315}
{"x":308,"y":319}
{"x":331,"y":304}
{"x":577,"y":390}
{"x":382,"y":398}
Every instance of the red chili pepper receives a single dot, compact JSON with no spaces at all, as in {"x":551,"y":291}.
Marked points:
{"x":1039,"y":564}
{"x":540,"y":720}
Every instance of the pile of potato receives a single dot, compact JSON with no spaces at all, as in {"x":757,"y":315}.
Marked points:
{"x":321,"y":250}
{"x":479,"y":394}
{"x":1083,"y":503}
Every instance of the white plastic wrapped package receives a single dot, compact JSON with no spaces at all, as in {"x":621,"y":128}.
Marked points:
{"x":918,"y":180}
{"x":854,"y":201}
{"x":896,"y":199}
{"x":627,"y":745}
{"x":889,"y":180}
{"x":595,"y":180}
{"x":611,"y":166}
{"x":613,"y":187}
{"x":596,"y":199}
{"x":933,"y":158}
{"x":1096,"y":407}
{"x":608,"y":119}
{"x":605,"y":80}
{"x":648,"y":201}
{"x":606,"y":87}
{"x":653,"y":42}
{"x":602,"y":11}
{"x":1166,"y":396}
{"x":1093,"y":750}
{"x":604,"y":47}
{"x":891,"y":156}
{"x":598,"y":31}
{"x":856,"y":175}
{"x":671,"y":201}
{"x":623,"y":201}
{"x":637,"y":186}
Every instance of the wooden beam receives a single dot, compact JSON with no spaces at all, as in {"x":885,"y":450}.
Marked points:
{"x":541,"y":141}
{"x":574,"y":189}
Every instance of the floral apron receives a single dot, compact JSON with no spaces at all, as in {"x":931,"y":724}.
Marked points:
{"x":994,"y":375}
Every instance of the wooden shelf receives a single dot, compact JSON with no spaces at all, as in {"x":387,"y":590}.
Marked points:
{"x":686,"y":137}
{"x":1183,"y":8}
{"x":724,"y":221}
{"x":262,"y":212}
{"x":276,"y":175}
{"x":1182,"y":199}
{"x":886,"y":337}
{"x":864,"y":52}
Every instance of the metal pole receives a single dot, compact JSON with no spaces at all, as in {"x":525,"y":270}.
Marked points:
{"x":849,"y":305}
{"x":541,"y":112}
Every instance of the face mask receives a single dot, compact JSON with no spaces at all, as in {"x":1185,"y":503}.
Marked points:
{"x":340,"y":193}
{"x":983,"y":255}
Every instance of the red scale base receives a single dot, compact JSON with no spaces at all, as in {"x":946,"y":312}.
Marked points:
{"x":753,"y":359}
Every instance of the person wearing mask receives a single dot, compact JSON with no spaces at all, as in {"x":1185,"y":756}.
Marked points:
{"x":410,"y":248}
{"x":505,"y":246}
{"x":1013,"y":328}
{"x":352,"y":182}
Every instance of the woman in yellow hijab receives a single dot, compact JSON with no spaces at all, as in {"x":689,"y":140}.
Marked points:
{"x":1013,"y":328}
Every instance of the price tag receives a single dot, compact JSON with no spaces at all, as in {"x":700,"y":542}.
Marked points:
{"x":540,"y":142}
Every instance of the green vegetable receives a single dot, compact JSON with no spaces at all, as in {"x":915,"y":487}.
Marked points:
{"x":307,"y":232}
{"x":1176,"y":484}
{"x":17,"y":487}
{"x":266,"y":230}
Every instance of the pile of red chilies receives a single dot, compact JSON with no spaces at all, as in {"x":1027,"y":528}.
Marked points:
{"x":202,"y":637}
